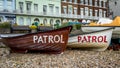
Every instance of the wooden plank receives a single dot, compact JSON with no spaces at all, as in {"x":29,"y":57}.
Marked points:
{"x":44,"y":28}
{"x":20,"y":28}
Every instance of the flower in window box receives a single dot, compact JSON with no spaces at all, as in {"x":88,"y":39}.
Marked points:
{"x":41,"y":24}
{"x":33,"y":27}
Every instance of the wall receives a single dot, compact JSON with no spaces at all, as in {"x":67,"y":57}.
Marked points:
{"x":40,"y":11}
{"x":114,"y":6}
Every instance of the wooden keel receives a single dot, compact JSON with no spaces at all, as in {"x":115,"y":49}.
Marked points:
{"x":13,"y":50}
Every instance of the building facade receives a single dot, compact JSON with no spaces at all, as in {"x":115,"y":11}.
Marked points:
{"x":46,"y":11}
{"x":50,"y":12}
{"x":83,"y":10}
{"x":7,"y":9}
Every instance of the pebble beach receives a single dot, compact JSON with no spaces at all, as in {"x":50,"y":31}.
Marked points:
{"x":71,"y":58}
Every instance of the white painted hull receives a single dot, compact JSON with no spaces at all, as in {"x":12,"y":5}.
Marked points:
{"x":95,"y":46}
{"x":116,"y":31}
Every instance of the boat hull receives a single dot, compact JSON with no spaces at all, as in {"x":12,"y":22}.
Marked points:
{"x":96,"y":41}
{"x":53,"y":41}
{"x":116,"y":31}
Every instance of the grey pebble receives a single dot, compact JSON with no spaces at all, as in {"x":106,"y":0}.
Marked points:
{"x":69,"y":59}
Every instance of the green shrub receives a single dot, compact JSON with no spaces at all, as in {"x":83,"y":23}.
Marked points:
{"x":64,"y":24}
{"x":5,"y":25}
{"x":75,"y":26}
{"x":78,"y":26}
{"x":57,"y":26}
{"x":33,"y":27}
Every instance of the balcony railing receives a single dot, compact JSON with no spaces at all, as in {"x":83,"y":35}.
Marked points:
{"x":74,"y":16}
{"x":69,"y":16}
{"x":79,"y":16}
{"x":7,"y":11}
{"x":38,"y":13}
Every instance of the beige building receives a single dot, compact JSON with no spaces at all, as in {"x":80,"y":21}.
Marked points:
{"x":46,"y":11}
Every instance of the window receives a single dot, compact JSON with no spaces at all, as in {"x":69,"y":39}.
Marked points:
{"x":51,"y":22}
{"x":29,"y":21}
{"x":57,"y":10}
{"x":82,"y":12}
{"x":104,"y":13}
{"x":28,"y":6}
{"x":75,"y":1}
{"x":21,"y":7}
{"x":104,"y":4}
{"x":9,"y":5}
{"x":45,"y":22}
{"x":21,"y":21}
{"x":86,"y":2}
{"x":51,"y":8}
{"x":96,"y":12}
{"x":1,"y":5}
{"x":36,"y":8}
{"x":95,"y":2}
{"x":70,"y":9}
{"x":100,"y":3}
{"x":70,"y":1}
{"x":44,"y":9}
{"x":81,"y":1}
{"x":70,"y":20}
{"x":75,"y":10}
{"x":64,"y":21}
{"x":100,"y":12}
{"x":90,"y":1}
{"x":64,"y":0}
{"x":86,"y":11}
{"x":65,"y":9}
{"x":91,"y":12}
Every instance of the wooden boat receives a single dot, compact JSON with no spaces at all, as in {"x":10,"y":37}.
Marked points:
{"x":97,"y":40}
{"x":53,"y":41}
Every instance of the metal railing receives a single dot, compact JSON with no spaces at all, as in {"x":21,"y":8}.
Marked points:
{"x":74,"y":16}
{"x":38,"y":13}
{"x":7,"y":11}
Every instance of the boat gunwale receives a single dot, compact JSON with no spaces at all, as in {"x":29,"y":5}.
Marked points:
{"x":84,"y":33}
{"x":99,"y":26}
{"x":39,"y":32}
